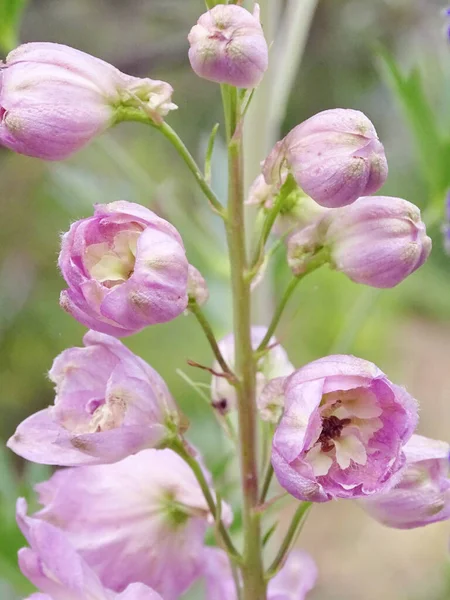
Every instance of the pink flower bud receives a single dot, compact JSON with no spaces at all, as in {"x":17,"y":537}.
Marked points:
{"x":335,"y":157}
{"x":377,"y":241}
{"x":261,"y":193}
{"x":109,"y":403}
{"x":126,"y":268}
{"x":302,"y":246}
{"x":228,"y":46}
{"x":55,"y":99}
{"x":274,"y":363}
{"x":197,"y":287}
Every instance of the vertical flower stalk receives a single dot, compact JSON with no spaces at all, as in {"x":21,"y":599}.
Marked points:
{"x":252,"y":569}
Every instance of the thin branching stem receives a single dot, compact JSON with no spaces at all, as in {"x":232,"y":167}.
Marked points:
{"x":207,"y":330}
{"x":294,"y":529}
{"x":223,"y":535}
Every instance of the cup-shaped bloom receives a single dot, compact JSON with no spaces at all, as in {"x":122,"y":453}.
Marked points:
{"x":109,"y":404}
{"x":297,"y":577}
{"x":335,"y":157}
{"x":228,"y":46}
{"x":55,"y":99}
{"x":422,"y":495}
{"x":377,"y":241}
{"x":273,"y":364}
{"x":142,"y":519}
{"x":342,"y":431}
{"x":126,"y":268}
{"x":53,"y":565}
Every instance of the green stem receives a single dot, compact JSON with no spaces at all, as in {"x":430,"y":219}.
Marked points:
{"x":178,"y":447}
{"x":315,"y":262}
{"x":289,"y":186}
{"x":207,"y":329}
{"x":294,"y":529}
{"x":278,"y":312}
{"x":172,"y":136}
{"x":254,"y":587}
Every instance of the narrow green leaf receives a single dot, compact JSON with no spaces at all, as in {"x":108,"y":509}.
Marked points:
{"x":269,"y":534}
{"x":410,"y":92}
{"x":209,"y":152}
{"x":11,"y":12}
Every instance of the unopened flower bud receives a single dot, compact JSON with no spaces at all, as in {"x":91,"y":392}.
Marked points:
{"x":196,"y":287}
{"x":55,"y":99}
{"x":228,"y":46}
{"x":261,"y":193}
{"x":335,"y":157}
{"x":274,"y":363}
{"x":377,"y":241}
{"x":302,"y":246}
{"x":270,"y":401}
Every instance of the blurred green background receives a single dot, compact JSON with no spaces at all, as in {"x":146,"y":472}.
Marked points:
{"x":389,"y":58}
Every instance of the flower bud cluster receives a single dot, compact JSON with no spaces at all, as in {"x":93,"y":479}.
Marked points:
{"x":336,"y":160}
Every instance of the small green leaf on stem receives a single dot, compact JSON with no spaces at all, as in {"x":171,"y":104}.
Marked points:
{"x":269,"y":534}
{"x":209,"y":153}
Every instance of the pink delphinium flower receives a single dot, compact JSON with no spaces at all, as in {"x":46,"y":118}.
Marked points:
{"x":126,"y":269}
{"x":55,"y":568}
{"x":297,"y":577}
{"x":142,"y":519}
{"x":422,"y":495}
{"x":228,"y":46}
{"x":377,"y":241}
{"x":343,"y":430}
{"x":54,"y":99}
{"x":274,"y":363}
{"x":109,"y":404}
{"x":335,"y":157}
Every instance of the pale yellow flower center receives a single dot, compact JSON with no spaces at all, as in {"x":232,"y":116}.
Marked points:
{"x":112,"y":264}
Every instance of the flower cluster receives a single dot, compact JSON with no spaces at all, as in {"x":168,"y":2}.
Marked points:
{"x":127,"y":516}
{"x":318,"y":180}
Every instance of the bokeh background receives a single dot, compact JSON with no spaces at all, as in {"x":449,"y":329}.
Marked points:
{"x":389,"y":58}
